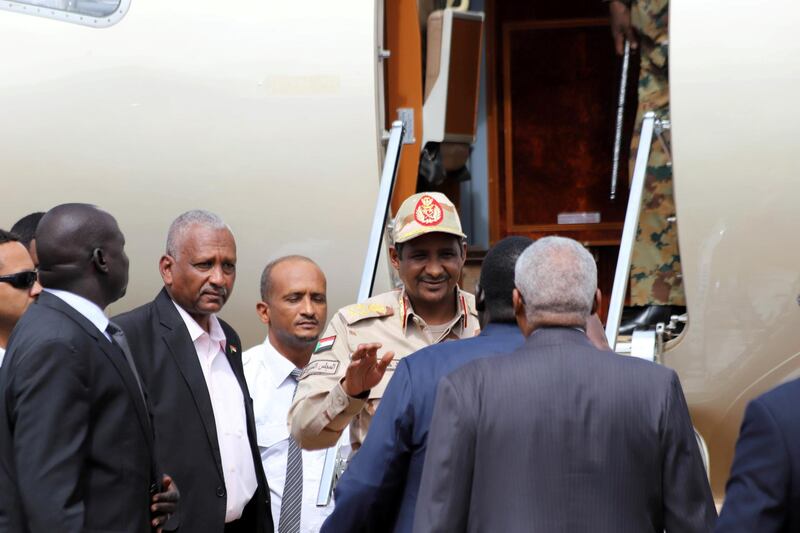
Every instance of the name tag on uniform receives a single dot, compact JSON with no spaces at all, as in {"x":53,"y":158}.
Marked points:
{"x":320,"y":367}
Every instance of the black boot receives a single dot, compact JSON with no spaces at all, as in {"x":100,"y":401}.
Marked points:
{"x":648,"y":316}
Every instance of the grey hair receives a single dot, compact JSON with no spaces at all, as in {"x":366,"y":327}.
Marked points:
{"x":266,"y":275}
{"x":177,"y":230}
{"x":556,"y":276}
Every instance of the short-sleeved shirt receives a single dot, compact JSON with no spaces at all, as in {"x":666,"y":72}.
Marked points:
{"x":321,"y":408}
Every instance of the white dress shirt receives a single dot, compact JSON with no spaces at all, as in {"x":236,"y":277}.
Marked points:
{"x":90,"y":310}
{"x":272,"y":390}
{"x":2,"y":355}
{"x":227,"y":402}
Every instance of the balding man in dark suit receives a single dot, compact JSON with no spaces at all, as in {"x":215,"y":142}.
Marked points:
{"x":76,"y":443}
{"x":560,"y":436}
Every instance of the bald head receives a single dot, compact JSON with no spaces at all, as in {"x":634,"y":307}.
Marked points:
{"x":266,"y":275}
{"x":81,"y":249}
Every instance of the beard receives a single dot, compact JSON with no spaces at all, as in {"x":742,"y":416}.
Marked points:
{"x":297,"y":340}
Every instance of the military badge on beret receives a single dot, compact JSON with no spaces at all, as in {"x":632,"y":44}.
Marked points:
{"x":428,"y":211}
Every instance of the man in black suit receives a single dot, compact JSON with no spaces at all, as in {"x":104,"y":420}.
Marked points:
{"x":560,"y":436}
{"x":191,"y":363}
{"x":76,"y":443}
{"x":763,"y":492}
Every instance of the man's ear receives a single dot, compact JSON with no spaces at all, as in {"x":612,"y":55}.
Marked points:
{"x":394,"y":257}
{"x":99,"y":260}
{"x":262,"y":310}
{"x":165,"y":265}
{"x":519,"y":311}
{"x":598,"y":298}
{"x":480,"y":298}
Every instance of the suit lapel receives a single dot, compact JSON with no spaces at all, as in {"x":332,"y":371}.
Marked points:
{"x":180,"y":345}
{"x":114,"y":355}
{"x":235,"y":360}
{"x":117,"y":359}
{"x":234,"y":356}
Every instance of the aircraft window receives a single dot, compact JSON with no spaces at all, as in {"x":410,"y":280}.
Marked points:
{"x":98,"y":13}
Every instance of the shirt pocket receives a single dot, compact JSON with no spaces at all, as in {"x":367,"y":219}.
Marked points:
{"x":273,"y":446}
{"x":268,"y":434}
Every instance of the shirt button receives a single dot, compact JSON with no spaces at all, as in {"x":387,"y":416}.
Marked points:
{"x":221,"y":492}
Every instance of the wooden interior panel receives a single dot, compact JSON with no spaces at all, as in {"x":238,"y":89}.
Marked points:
{"x":553,"y":82}
{"x":559,"y":118}
{"x":493,"y":122}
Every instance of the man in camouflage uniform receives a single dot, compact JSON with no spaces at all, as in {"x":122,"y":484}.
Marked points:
{"x":345,"y":379}
{"x":655,"y":265}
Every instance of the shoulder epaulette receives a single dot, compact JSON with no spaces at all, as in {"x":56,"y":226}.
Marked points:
{"x":357,"y":312}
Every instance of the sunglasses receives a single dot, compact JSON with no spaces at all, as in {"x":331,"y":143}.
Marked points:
{"x":21,"y":280}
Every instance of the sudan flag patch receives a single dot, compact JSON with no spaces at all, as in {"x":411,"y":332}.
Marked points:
{"x":325,"y":344}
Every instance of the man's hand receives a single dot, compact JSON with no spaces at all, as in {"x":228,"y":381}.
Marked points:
{"x":621,"y":28}
{"x":365,"y":369}
{"x":165,"y":503}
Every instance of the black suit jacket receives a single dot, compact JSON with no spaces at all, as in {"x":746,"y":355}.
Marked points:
{"x":763,"y":492}
{"x":75,"y":440}
{"x":562,"y":437}
{"x":186,"y":434}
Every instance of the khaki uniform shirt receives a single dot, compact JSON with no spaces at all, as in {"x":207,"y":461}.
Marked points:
{"x":321,"y":408}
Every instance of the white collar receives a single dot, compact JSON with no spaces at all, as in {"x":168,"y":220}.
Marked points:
{"x":196,"y":331}
{"x":279,"y":367}
{"x":90,"y":310}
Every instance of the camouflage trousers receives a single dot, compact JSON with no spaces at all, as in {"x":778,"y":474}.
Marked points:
{"x":655,"y":263}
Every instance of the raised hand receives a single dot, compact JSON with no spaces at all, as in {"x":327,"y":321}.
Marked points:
{"x":365,"y":369}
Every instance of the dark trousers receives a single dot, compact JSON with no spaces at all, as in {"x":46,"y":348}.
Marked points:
{"x":247,"y":523}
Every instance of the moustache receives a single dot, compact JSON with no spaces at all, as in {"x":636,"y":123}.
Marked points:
{"x":440,"y":279}
{"x":222,"y":292}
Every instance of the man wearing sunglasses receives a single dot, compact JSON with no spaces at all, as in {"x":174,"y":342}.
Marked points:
{"x":18,"y":285}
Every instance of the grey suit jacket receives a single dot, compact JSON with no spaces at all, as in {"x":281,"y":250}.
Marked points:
{"x":562,"y":437}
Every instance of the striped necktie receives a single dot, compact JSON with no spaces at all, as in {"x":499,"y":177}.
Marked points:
{"x":293,"y":488}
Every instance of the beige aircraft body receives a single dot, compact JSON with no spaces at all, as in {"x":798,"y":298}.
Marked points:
{"x":265,"y":112}
{"x":271,"y":114}
{"x":734,"y":70}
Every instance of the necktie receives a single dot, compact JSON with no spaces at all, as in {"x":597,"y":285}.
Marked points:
{"x":118,"y":338}
{"x":293,"y":488}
